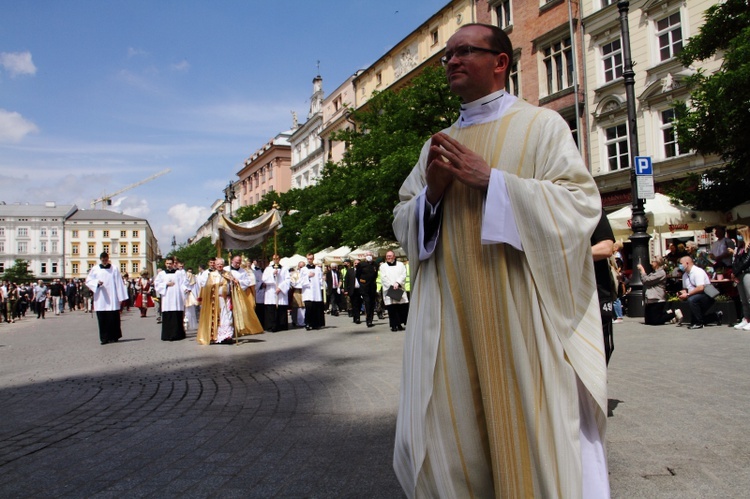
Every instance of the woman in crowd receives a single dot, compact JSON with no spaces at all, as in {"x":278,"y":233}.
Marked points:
{"x":654,"y":285}
{"x":741,"y":274}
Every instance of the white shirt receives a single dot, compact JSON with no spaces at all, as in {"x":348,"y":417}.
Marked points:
{"x":276,"y":279}
{"x":111,"y":293}
{"x":696,"y":277}
{"x":245,"y":278}
{"x":172,"y":296}
{"x":312,"y":285}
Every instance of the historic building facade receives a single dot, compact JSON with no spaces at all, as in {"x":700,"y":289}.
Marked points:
{"x":267,"y":170}
{"x":129,"y":241}
{"x":36,"y":234}
{"x":308,"y":159}
{"x":658,"y":31}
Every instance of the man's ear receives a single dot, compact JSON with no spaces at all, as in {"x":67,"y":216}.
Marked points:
{"x":503,"y":63}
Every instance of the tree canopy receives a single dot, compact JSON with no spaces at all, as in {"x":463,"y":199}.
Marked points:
{"x":353,"y":201}
{"x":19,"y":272}
{"x":717,"y":118}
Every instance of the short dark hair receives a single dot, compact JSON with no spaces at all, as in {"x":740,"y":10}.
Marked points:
{"x":498,"y":40}
{"x":103,"y":254}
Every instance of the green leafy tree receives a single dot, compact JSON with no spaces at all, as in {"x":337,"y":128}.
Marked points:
{"x":717,"y":120}
{"x":19,"y":272}
{"x":353,"y":201}
{"x":195,"y":254}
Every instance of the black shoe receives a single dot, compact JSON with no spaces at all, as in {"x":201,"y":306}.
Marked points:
{"x":309,"y":328}
{"x":401,"y":328}
{"x":695,"y":326}
{"x":358,"y":322}
{"x":719,"y":317}
{"x":394,"y":329}
{"x":370,"y":324}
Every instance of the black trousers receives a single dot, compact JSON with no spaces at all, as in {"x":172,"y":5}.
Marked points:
{"x":109,"y":325}
{"x":609,"y":340}
{"x":356,"y":301}
{"x":173,"y":325}
{"x":275,"y":318}
{"x":314,"y":314}
{"x":369,"y":297}
{"x":654,"y":314}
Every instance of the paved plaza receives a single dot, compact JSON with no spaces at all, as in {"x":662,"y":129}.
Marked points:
{"x":312,"y":414}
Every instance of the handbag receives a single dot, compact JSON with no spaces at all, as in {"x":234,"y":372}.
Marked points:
{"x":711,"y":290}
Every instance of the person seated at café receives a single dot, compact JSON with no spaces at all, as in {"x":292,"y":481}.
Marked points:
{"x":654,"y":285}
{"x":694,"y":282}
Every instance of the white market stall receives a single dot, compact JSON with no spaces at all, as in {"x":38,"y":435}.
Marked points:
{"x":338,"y":255}
{"x":379,"y":249}
{"x":666,"y":221}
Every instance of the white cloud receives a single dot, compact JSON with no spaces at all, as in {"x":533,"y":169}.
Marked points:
{"x":17,"y":63}
{"x":180,"y":66}
{"x":133,"y":52}
{"x":185,"y":220}
{"x":14,"y":127}
{"x":133,"y":207}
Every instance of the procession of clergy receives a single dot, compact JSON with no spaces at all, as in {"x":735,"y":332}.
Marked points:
{"x":225,"y":302}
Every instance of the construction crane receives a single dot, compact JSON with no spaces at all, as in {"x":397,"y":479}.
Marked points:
{"x":106,"y":200}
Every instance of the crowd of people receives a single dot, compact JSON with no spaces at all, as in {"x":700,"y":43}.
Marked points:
{"x":697,"y":277}
{"x":271,"y":298}
{"x":18,"y":299}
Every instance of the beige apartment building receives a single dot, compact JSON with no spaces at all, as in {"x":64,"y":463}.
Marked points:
{"x":658,"y":31}
{"x":129,"y":241}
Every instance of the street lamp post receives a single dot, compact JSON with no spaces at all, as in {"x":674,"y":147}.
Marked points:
{"x":639,"y":238}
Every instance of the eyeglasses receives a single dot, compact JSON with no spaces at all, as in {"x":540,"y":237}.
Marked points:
{"x":464,"y":52}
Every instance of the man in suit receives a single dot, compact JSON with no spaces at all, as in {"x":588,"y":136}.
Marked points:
{"x":353,"y":291}
{"x":367,"y":274}
{"x":334,"y":287}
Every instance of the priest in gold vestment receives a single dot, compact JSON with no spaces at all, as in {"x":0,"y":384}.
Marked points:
{"x":503,"y":392}
{"x":226,"y":311}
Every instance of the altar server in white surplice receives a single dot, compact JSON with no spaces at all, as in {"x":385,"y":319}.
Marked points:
{"x":171,"y":286}
{"x":311,"y":277}
{"x":105,"y":281}
{"x":504,"y":381}
{"x":276,"y":296}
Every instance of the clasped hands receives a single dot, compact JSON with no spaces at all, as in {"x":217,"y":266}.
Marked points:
{"x":449,"y":160}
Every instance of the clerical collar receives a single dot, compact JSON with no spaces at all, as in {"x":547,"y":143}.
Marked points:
{"x":486,"y":109}
{"x":105,"y":266}
{"x":276,"y":266}
{"x":170,"y":271}
{"x":310,"y":266}
{"x":392,"y":264}
{"x":233,"y":268}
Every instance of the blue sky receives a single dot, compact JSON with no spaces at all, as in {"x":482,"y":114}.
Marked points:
{"x":97,"y":95}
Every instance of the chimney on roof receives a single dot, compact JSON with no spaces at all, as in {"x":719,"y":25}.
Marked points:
{"x":50,"y":204}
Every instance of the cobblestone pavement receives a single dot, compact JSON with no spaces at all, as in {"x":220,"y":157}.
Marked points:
{"x":312,"y":414}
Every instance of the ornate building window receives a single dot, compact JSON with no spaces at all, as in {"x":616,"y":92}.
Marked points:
{"x":612,"y":60}
{"x":558,"y":64}
{"x":616,"y":144}
{"x":669,"y":35}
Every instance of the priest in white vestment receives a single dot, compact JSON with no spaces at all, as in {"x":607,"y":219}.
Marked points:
{"x":503,"y":391}
{"x":105,"y":281}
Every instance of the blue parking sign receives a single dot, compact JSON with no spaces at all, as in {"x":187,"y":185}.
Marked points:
{"x":643,"y":165}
